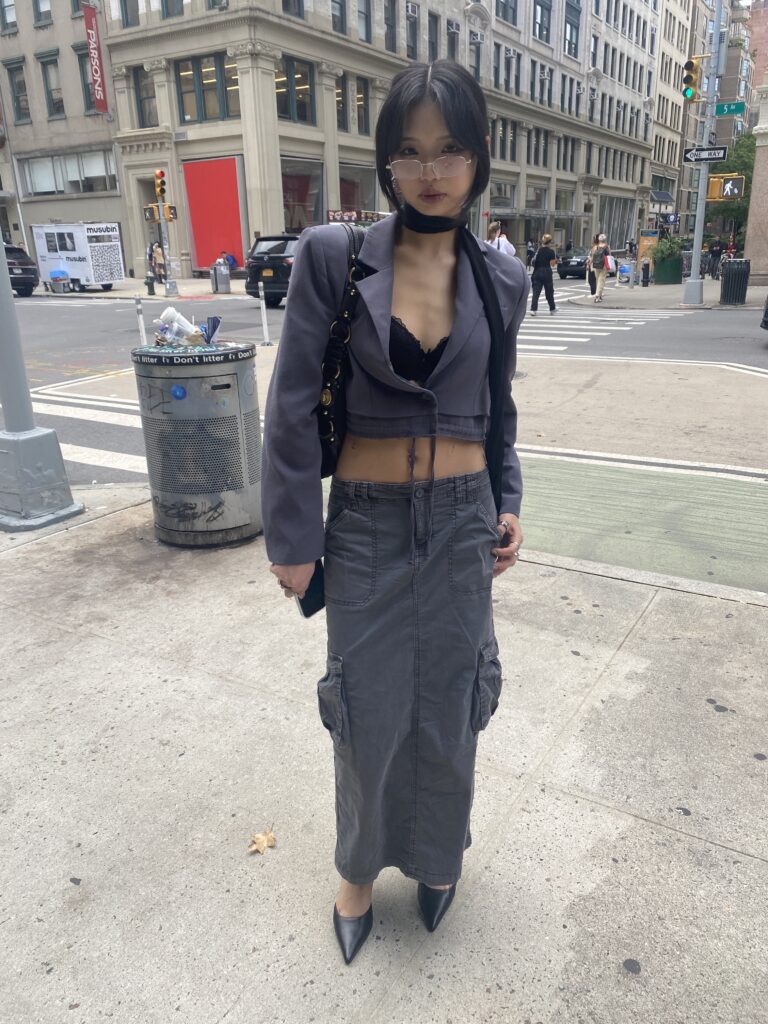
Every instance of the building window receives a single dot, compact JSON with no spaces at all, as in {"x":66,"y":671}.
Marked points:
{"x":476,"y":60}
{"x":433,"y":35}
{"x":542,"y":16}
{"x":294,"y":88}
{"x":571,"y":39}
{"x":43,"y":14}
{"x":208,"y":88}
{"x":172,"y":8}
{"x":52,"y":86}
{"x":69,"y":174}
{"x":363,"y":107}
{"x":146,"y":104}
{"x":497,"y":65}
{"x":295,"y":8}
{"x":506,"y":10}
{"x":342,"y":103}
{"x":76,"y":8}
{"x":412,"y":33}
{"x":7,"y":15}
{"x":453,"y":45}
{"x":18,"y":84}
{"x":129,"y":12}
{"x":302,"y":193}
{"x":339,"y":16}
{"x":357,"y":187}
{"x":390,"y":25}
{"x":364,"y":21}
{"x":85,"y":79}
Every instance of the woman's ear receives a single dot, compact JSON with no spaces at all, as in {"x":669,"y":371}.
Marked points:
{"x":487,"y":141}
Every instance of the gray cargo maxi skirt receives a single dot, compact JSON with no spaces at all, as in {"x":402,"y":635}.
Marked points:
{"x":413,"y":674}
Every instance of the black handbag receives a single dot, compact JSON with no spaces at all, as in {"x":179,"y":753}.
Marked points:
{"x":331,"y":410}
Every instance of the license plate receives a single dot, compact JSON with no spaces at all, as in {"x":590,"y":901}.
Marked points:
{"x":267,"y":273}
{"x":574,"y":263}
{"x":15,"y":270}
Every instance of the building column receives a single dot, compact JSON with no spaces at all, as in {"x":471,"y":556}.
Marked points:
{"x":522,"y":181}
{"x":158,"y":69}
{"x":261,"y":150}
{"x":756,"y":244}
{"x":555,"y":136}
{"x":124,"y":110}
{"x":327,"y":75}
{"x":379,"y":92}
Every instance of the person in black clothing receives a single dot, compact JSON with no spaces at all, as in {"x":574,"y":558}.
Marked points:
{"x":591,"y":276}
{"x":715,"y":255}
{"x":543,"y":263}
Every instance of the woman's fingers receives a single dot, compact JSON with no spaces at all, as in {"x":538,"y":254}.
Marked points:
{"x":506,"y":557}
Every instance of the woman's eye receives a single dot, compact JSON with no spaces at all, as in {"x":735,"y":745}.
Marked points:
{"x":407,"y":151}
{"x":451,"y":148}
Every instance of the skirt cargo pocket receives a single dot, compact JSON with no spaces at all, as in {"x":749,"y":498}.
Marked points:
{"x":330,"y":698}
{"x":485,"y":698}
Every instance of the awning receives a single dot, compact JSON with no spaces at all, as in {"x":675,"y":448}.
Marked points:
{"x":661,"y":197}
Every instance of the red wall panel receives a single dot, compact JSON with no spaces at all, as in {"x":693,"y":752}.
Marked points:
{"x":214,"y":209}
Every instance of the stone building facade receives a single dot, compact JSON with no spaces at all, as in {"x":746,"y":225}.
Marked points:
{"x":57,"y":161}
{"x":262,"y":117}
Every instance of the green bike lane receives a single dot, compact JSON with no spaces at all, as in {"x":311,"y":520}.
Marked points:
{"x":698,"y":527}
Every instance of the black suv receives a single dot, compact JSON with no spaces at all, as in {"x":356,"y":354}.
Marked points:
{"x":22,"y":271}
{"x":271,"y":261}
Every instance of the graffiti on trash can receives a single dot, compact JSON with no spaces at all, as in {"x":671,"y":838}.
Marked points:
{"x":189,"y":511}
{"x":153,"y":397}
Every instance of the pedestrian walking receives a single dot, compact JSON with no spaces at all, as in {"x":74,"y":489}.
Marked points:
{"x":424,"y":503}
{"x":716,"y":248}
{"x":543,"y":264}
{"x":599,"y":254}
{"x":530,"y":252}
{"x":158,"y":262}
{"x":591,"y":276}
{"x":499,"y":240}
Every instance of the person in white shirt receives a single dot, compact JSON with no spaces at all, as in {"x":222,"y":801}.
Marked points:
{"x":498,"y":239}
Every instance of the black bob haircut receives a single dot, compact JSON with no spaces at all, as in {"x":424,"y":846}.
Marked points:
{"x":460,"y":100}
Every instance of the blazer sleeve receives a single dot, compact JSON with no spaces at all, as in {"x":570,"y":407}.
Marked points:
{"x":292,"y":494}
{"x":512,"y":481}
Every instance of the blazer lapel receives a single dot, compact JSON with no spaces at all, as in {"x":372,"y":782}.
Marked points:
{"x":376,"y":288}
{"x":469,"y":308}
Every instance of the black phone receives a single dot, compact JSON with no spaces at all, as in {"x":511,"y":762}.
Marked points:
{"x":314,"y":596}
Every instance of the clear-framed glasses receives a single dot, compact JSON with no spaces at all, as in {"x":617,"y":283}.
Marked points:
{"x":450,"y":166}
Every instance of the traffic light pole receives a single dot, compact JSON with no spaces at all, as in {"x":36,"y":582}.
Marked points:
{"x":693,"y":289}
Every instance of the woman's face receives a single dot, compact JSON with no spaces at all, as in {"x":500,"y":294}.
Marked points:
{"x":426,"y":138}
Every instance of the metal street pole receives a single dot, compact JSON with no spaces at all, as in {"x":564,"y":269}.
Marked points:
{"x":693,"y":289}
{"x":171,"y":288}
{"x":34,"y":490}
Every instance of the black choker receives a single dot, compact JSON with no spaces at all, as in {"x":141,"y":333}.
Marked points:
{"x":411,"y":218}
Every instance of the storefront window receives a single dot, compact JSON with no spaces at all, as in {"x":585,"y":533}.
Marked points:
{"x":302,"y":193}
{"x":536,"y":197}
{"x":357,"y":187}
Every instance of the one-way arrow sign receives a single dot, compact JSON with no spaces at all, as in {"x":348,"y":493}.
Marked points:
{"x":705,"y":156}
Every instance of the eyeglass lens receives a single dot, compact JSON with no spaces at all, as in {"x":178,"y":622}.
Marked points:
{"x":443,"y":167}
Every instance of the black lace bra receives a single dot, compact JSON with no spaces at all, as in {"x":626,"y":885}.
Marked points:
{"x":408,"y":358}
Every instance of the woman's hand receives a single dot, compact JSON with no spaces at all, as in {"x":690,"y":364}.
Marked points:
{"x":509,"y":526}
{"x":294,"y":579}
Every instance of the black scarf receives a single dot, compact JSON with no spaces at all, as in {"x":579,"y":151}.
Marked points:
{"x":494,"y":439}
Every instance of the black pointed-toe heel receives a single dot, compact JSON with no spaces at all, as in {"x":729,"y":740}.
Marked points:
{"x":433,"y":904}
{"x":352,"y":932}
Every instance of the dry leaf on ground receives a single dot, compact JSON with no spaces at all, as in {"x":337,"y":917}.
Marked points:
{"x":261,"y":841}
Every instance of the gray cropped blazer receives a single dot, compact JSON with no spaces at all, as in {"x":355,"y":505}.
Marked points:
{"x":455,"y":402}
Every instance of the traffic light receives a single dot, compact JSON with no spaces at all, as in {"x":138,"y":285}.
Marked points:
{"x":692,"y":75}
{"x":714,"y":187}
{"x":160,"y":184}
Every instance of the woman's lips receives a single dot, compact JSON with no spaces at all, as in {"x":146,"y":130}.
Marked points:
{"x":432,"y":197}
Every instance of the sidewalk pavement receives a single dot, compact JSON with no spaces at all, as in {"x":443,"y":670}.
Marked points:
{"x":666,"y":296}
{"x":158,"y":708}
{"x":188,"y":287}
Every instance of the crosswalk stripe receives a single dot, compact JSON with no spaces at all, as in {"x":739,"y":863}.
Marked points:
{"x":119,"y":419}
{"x":544,"y":348}
{"x":94,"y":403}
{"x":104,"y":459}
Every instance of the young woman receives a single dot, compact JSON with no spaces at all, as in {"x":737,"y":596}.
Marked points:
{"x":413,"y":538}
{"x":544,"y":262}
{"x":591,"y":278}
{"x":599,"y":262}
{"x":499,"y":240}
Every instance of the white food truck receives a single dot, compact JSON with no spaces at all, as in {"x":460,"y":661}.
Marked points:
{"x":79,"y":255}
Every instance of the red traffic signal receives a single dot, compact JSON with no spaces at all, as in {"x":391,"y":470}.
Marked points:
{"x":159,"y":183}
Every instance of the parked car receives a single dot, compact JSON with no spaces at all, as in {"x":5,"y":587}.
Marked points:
{"x":22,"y":270}
{"x":271,"y":261}
{"x":573,"y":263}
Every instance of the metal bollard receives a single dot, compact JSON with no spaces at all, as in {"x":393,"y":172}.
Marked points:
{"x":632,"y":272}
{"x":140,"y":317}
{"x":264,"y":324}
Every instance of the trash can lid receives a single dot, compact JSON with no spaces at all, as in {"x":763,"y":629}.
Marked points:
{"x":192,"y":355}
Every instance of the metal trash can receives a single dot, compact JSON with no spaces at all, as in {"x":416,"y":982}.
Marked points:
{"x":202,"y":434}
{"x":734,"y":278}
{"x":60,"y":282}
{"x":220,"y":278}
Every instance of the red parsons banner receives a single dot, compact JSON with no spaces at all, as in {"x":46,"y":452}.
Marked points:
{"x":98,"y":86}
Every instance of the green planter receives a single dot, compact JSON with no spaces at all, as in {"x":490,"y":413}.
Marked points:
{"x":668,"y":271}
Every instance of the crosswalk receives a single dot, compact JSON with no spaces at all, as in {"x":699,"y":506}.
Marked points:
{"x":556,"y":333}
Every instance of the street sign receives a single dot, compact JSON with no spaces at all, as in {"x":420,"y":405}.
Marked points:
{"x":733,"y":187}
{"x":705,"y":156}
{"x":732,"y":109}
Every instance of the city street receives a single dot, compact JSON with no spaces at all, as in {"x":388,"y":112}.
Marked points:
{"x":633,"y":446}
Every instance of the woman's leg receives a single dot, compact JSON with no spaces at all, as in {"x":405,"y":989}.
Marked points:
{"x":537,"y":285}
{"x":601,"y":275}
{"x":353,"y":900}
{"x":592,"y":282}
{"x":549,"y":292}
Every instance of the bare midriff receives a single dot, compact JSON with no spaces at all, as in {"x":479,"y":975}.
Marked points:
{"x":386,"y":460}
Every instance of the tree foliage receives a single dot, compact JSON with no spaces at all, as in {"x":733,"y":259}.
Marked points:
{"x":741,"y":160}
